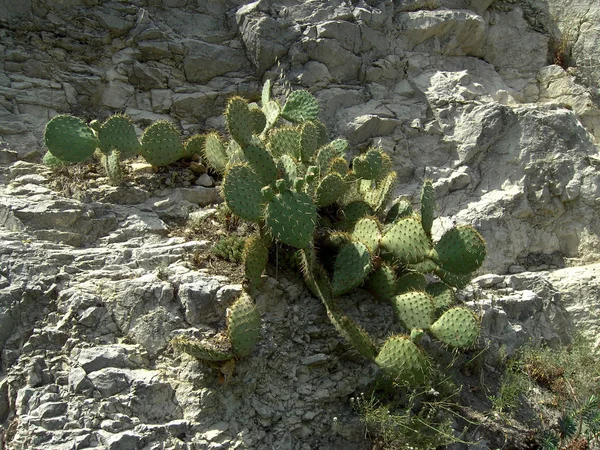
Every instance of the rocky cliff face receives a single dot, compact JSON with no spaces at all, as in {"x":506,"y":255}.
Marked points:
{"x":464,"y":92}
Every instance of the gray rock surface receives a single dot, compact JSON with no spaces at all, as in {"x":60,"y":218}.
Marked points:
{"x":92,"y":287}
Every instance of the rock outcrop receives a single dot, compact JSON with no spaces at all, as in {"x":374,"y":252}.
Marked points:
{"x":92,"y":287}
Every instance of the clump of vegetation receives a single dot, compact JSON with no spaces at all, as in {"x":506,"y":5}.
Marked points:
{"x":284,"y":175}
{"x":230,"y":248}
{"x":569,"y":379}
{"x":417,"y":419}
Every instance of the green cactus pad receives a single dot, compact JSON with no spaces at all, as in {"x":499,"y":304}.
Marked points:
{"x":214,"y":153}
{"x":256,"y":256}
{"x":373,"y":165}
{"x":458,"y":327}
{"x":291,"y":217}
{"x":337,"y":239}
{"x":118,"y":133}
{"x":461,"y":250}
{"x":402,"y":361}
{"x":352,"y":265}
{"x":266,"y":93}
{"x":112,"y":167}
{"x":399,"y":210}
{"x":412,"y":281}
{"x":457,"y":280}
{"x":325,"y":156}
{"x":243,"y":325}
{"x":376,"y":193}
{"x":240,"y":120}
{"x":285,"y":141}
{"x":352,"y":213}
{"x":300,"y":106}
{"x":309,"y":139}
{"x":414,"y":309}
{"x":235,"y":153}
{"x":329,"y":190}
{"x":52,"y":161}
{"x":368,"y":231}
{"x":262,"y":163}
{"x":407,"y":241}
{"x":339,"y":165}
{"x":353,"y":333}
{"x":382,"y":282}
{"x":443,"y":295}
{"x":259,"y":120}
{"x":242,"y":191}
{"x":69,"y":139}
{"x":340,"y":146}
{"x":202,"y":350}
{"x":288,"y":167}
{"x":161,"y":144}
{"x":194,"y":146}
{"x":271,"y":109}
{"x":427,"y":206}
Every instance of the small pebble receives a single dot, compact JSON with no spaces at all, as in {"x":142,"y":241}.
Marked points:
{"x":205,"y":180}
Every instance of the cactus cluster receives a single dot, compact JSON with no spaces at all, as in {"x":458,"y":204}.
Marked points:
{"x":70,"y":140}
{"x":282,"y":173}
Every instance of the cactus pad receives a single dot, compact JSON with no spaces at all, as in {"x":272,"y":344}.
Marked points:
{"x":242,"y":190}
{"x":427,"y":206}
{"x":285,"y":141}
{"x":240,"y":120}
{"x":112,"y":166}
{"x":352,"y":265}
{"x":291,"y":217}
{"x":402,"y":361}
{"x":215,"y":153}
{"x":399,"y":210}
{"x":194,"y":145}
{"x":382,"y":283}
{"x":414,"y":309}
{"x":161,"y":144}
{"x":69,"y":139}
{"x":368,"y":231}
{"x":373,"y":165}
{"x":329,"y":190}
{"x":443,"y":295}
{"x":202,"y":350}
{"x":243,"y":325}
{"x":461,"y":250}
{"x":411,"y":281}
{"x":118,"y":133}
{"x":309,"y":139}
{"x":407,"y":241}
{"x":353,"y":333}
{"x":52,"y":161}
{"x":339,"y":165}
{"x":262,"y":163}
{"x":256,"y":256}
{"x":457,"y":327}
{"x":300,"y":106}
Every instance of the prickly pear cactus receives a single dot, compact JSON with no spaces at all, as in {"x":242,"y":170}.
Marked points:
{"x":69,"y":139}
{"x":402,"y":361}
{"x":118,"y":133}
{"x":112,"y":166}
{"x":302,"y":191}
{"x":243,"y":325}
{"x":161,"y":144}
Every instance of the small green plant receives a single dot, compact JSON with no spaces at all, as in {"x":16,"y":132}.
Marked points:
{"x":568,"y":378}
{"x":418,"y":419}
{"x":514,"y":386}
{"x":230,"y":248}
